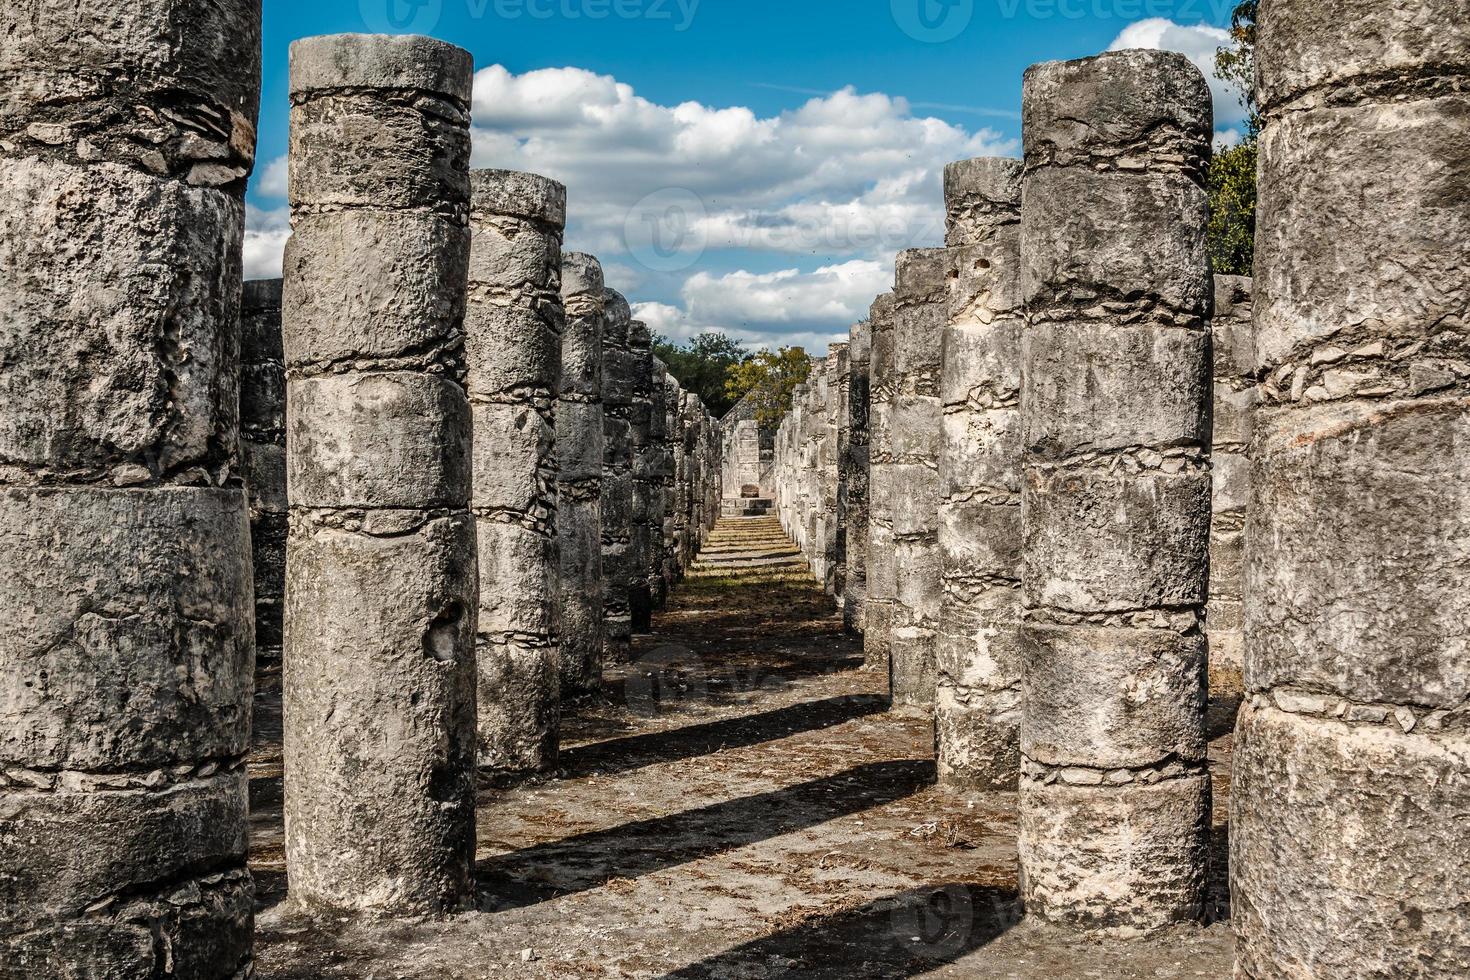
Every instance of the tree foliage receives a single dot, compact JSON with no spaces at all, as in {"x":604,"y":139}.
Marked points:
{"x":703,"y":366}
{"x":1237,"y":63}
{"x":770,"y":378}
{"x":1232,"y":177}
{"x":1232,"y":229}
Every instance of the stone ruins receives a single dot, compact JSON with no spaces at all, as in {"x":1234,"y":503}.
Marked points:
{"x":1069,"y":496}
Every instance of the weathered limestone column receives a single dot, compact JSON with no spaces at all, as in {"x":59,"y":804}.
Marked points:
{"x":513,"y":327}
{"x":380,"y":589}
{"x":126,"y":649}
{"x":1114,"y":793}
{"x":853,"y":503}
{"x":1234,"y":405}
{"x":978,"y":647}
{"x":686,"y":481}
{"x":640,"y":426}
{"x":842,"y":415}
{"x":826,"y":471}
{"x":882,"y":578}
{"x":1350,"y":809}
{"x":263,"y":456}
{"x":661,"y":565}
{"x":921,"y":307}
{"x":617,"y":477}
{"x":580,"y":449}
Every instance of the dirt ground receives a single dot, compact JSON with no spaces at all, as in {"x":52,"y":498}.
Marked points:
{"x":740,"y":804}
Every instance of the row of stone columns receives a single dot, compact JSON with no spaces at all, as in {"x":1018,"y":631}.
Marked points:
{"x":459,"y":480}
{"x":1039,"y":518}
{"x":411,"y":423}
{"x":1091,"y":370}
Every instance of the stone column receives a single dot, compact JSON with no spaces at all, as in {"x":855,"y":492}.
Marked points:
{"x":380,"y":589}
{"x":263,"y":456}
{"x":882,"y":581}
{"x":1234,"y":405}
{"x":1350,"y":806}
{"x":580,"y":448}
{"x":921,"y":307}
{"x":513,"y":334}
{"x":617,"y":477}
{"x":667,"y":395}
{"x":977,"y":651}
{"x":640,"y":425}
{"x":686,"y":481}
{"x":841,"y":419}
{"x":827,"y":454}
{"x":1114,"y":793}
{"x":126,"y":650}
{"x":854,"y":499}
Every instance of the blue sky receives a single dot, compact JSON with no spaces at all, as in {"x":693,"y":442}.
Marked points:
{"x":746,"y":165}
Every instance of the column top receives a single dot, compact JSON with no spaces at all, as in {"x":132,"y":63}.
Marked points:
{"x":581,"y":274}
{"x":381,"y":61}
{"x":980,"y":195}
{"x":919,"y":272}
{"x":517,"y":194}
{"x":1122,"y":100}
{"x":638,"y":336}
{"x":617,"y":316}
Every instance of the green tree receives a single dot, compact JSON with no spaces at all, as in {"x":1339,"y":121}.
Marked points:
{"x":1237,"y":63}
{"x":703,"y":365}
{"x":770,"y":379}
{"x":1232,"y":178}
{"x":1232,"y":228}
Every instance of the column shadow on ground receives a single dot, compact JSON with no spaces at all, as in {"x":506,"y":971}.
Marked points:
{"x":637,"y":751}
{"x":586,"y":861}
{"x":899,"y":936}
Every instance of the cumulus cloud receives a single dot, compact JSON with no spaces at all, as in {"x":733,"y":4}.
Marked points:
{"x":266,"y":232}
{"x":788,"y":306}
{"x":273,"y":179}
{"x":844,"y":174}
{"x":838,"y":185}
{"x":1198,"y":43}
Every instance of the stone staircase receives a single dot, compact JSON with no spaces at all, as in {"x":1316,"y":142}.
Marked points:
{"x":750,"y":547}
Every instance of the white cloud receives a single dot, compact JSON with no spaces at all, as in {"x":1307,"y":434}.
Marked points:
{"x":1198,"y":43}
{"x":838,"y":185}
{"x":273,"y":179}
{"x":845,"y":174}
{"x":265,"y":241}
{"x":788,"y":306}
